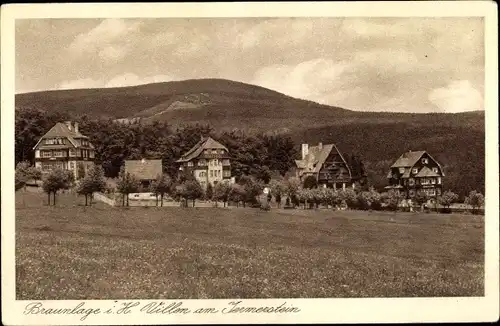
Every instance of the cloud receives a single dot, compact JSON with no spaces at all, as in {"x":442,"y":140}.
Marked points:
{"x":130,"y":79}
{"x":110,"y":39}
{"x":80,"y":83}
{"x":310,"y":79}
{"x":458,"y":96}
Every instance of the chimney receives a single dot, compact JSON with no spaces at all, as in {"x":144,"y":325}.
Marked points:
{"x":76,"y":126}
{"x":68,"y":124}
{"x":320,"y":146}
{"x":305,"y":151}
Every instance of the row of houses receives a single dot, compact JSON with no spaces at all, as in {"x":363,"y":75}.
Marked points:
{"x":63,"y":146}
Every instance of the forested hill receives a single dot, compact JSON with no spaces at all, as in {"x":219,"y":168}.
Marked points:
{"x":456,"y":140}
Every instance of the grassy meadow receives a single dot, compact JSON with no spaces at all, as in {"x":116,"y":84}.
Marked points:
{"x":76,"y":252}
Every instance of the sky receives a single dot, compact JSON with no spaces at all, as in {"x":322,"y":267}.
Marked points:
{"x":368,"y":64}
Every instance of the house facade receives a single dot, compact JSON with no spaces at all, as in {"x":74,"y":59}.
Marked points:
{"x":326,"y":164}
{"x":209,"y":161}
{"x":64,"y":147}
{"x":414,"y":171}
{"x":144,"y":170}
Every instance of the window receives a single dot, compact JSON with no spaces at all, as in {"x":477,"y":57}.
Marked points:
{"x":190,"y":163}
{"x":49,"y":141}
{"x":438,"y":191}
{"x":211,"y":173}
{"x":72,"y":165}
{"x":401,"y":170}
{"x":72,"y":152}
{"x":227,"y":173}
{"x":435,"y":170}
{"x":431,"y":192}
{"x":415,"y":170}
{"x":221,"y":151}
{"x":91,"y":154}
{"x":439,"y":180}
{"x":433,"y":181}
{"x":214,"y":151}
{"x":425,"y":160}
{"x":225,"y":162}
{"x":424,"y":181}
{"x":203,"y":174}
{"x":46,"y":154}
{"x":411,"y":181}
{"x":412,"y":193}
{"x":58,"y":154}
{"x":216,"y":162}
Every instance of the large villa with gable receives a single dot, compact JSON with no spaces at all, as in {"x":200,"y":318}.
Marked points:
{"x":326,"y":164}
{"x":414,"y":171}
{"x":64,"y":147}
{"x":209,"y":161}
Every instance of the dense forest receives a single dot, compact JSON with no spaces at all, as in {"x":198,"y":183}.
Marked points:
{"x":265,"y":154}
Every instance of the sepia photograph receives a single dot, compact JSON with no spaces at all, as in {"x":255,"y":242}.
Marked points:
{"x":177,"y":158}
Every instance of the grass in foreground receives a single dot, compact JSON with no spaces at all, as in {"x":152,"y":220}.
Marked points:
{"x":74,"y":252}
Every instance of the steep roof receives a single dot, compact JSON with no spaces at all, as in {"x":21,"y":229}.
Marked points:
{"x":196,"y":150}
{"x":316,"y":157}
{"x":144,"y":169}
{"x":426,"y":172}
{"x":408,"y":159}
{"x":61,"y":130}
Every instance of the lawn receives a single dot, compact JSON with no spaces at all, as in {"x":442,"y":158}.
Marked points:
{"x":76,"y":252}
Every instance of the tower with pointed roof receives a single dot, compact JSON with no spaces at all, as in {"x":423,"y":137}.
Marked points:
{"x":63,"y":146}
{"x":209,"y":161}
{"x":414,"y":171}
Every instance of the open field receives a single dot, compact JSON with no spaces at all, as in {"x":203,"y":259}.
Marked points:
{"x":76,"y":252}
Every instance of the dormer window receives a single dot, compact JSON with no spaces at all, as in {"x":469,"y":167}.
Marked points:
{"x":401,"y":170}
{"x":190,"y":163}
{"x":425,"y":160}
{"x":435,"y":170}
{"x":414,"y":170}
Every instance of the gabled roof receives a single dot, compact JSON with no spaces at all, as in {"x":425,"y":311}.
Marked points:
{"x":408,"y":159}
{"x":196,"y":150}
{"x":426,"y":172}
{"x":61,"y":130}
{"x":144,"y":169}
{"x":317,"y":156}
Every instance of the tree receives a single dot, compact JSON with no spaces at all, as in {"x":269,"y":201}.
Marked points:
{"x":350,"y":197}
{"x":126,"y":184}
{"x":161,"y":185}
{"x":421,"y":198}
{"x":56,"y":180}
{"x":310,"y":182}
{"x":369,"y":199}
{"x":237,"y":193}
{"x":94,"y":181}
{"x":80,"y":171}
{"x":392,"y":198}
{"x":221,"y":192}
{"x":447,"y":199}
{"x":278,"y":189}
{"x":253,"y":188}
{"x":192,"y":190}
{"x":21,"y":175}
{"x":475,"y":199}
{"x":292,"y":187}
{"x":209,"y":192}
{"x":35,"y":173}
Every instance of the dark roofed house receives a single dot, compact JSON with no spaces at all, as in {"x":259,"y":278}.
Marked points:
{"x":414,"y":171}
{"x":64,"y":147}
{"x":209,"y":161}
{"x":144,"y":170}
{"x":326,"y":164}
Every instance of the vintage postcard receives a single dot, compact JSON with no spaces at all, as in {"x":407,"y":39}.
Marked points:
{"x":201,"y":163}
